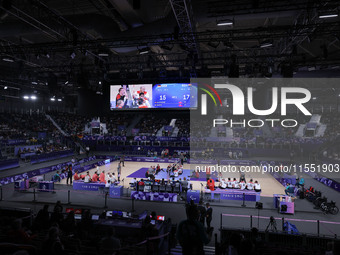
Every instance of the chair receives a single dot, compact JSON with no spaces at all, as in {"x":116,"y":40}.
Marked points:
{"x":168,"y":188}
{"x":155,"y":188}
{"x":162,"y":188}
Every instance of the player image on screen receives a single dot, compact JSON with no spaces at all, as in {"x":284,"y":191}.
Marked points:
{"x":142,"y":95}
{"x":174,"y":95}
{"x":120,"y":97}
{"x":130,"y":96}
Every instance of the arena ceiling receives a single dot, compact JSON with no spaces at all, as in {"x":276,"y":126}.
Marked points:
{"x":66,"y":44}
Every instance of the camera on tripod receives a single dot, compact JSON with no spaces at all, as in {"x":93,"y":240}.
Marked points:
{"x":271,"y":225}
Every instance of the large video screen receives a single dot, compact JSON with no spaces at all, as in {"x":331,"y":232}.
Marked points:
{"x":174,"y":95}
{"x":141,"y":96}
{"x":131,"y":96}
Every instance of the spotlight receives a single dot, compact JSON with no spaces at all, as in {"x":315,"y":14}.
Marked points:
{"x":33,"y":97}
{"x":66,"y":82}
{"x":8,"y":60}
{"x":99,"y":82}
{"x":52,"y":99}
{"x":225,"y":22}
{"x":59,"y":100}
{"x":266,"y":43}
{"x":144,"y":50}
{"x":328,"y":15}
{"x":26,"y":97}
{"x":5,"y":87}
{"x":34,"y":83}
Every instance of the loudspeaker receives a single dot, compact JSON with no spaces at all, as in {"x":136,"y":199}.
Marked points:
{"x":259,"y":205}
{"x":136,"y":4}
{"x":283,"y":208}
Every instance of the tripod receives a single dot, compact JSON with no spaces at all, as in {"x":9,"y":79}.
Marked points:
{"x":271,"y":225}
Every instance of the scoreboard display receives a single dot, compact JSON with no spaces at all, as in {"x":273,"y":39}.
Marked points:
{"x":174,"y":95}
{"x":149,"y":96}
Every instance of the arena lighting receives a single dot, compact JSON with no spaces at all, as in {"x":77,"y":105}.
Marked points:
{"x":5,"y":87}
{"x":266,"y":43}
{"x":103,"y":54}
{"x":225,"y":22}
{"x":8,"y":60}
{"x":144,"y":51}
{"x":314,"y":98}
{"x":59,"y":100}
{"x":26,"y":97}
{"x":33,"y":97}
{"x":99,"y":82}
{"x":66,"y":82}
{"x":52,"y":99}
{"x":329,"y":15}
{"x":34,"y":83}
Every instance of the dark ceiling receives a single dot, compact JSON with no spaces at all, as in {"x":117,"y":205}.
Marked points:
{"x":61,"y":45}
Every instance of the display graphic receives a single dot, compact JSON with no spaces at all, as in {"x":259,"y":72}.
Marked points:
{"x":174,"y":95}
{"x":143,"y":96}
{"x":130,"y":96}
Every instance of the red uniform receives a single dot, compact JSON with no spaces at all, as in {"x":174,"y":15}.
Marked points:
{"x":76,"y":177}
{"x":95,"y":178}
{"x":102,"y":178}
{"x":211,"y":184}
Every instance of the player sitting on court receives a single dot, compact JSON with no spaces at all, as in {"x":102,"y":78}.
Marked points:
{"x":250,"y":185}
{"x":236,"y":184}
{"x":223,"y":184}
{"x":243,"y":185}
{"x":229,"y":184}
{"x":257,"y":186}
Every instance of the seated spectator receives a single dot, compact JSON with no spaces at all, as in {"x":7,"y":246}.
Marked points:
{"x":257,"y":186}
{"x":109,"y":243}
{"x":42,"y":219}
{"x":69,"y":224}
{"x":52,"y":244}
{"x":191,"y":233}
{"x":18,"y":234}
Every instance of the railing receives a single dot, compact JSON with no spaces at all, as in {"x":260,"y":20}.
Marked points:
{"x":263,"y":223}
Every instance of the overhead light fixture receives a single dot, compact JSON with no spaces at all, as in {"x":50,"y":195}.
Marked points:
{"x":144,"y":50}
{"x":314,"y":98}
{"x":34,"y":83}
{"x":8,"y":60}
{"x":5,"y":87}
{"x":328,"y":15}
{"x":266,"y":43}
{"x":66,"y":82}
{"x":26,"y":97}
{"x":52,"y":99}
{"x":33,"y":97}
{"x":225,"y":22}
{"x":59,"y":100}
{"x":103,"y":54}
{"x":99,"y":82}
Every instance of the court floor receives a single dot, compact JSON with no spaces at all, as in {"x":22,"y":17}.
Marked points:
{"x":269,"y":185}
